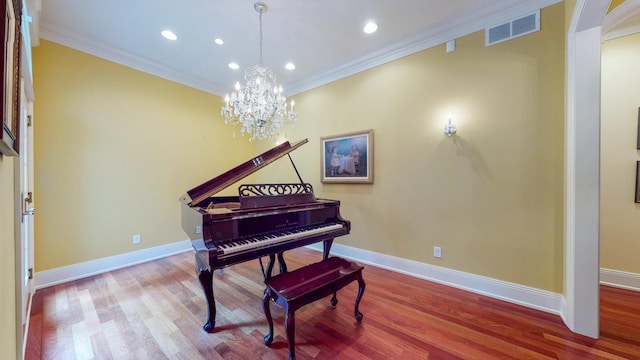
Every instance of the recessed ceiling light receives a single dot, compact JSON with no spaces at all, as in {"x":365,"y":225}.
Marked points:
{"x":290,"y":66}
{"x":168,"y":34}
{"x":219,"y":41}
{"x":234,"y":66}
{"x":370,"y":28}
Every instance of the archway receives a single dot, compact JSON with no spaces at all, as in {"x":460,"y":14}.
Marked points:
{"x":582,"y":168}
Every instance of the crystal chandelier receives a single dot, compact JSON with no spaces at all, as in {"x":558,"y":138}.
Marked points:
{"x":258,"y":107}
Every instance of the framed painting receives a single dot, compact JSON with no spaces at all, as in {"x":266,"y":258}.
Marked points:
{"x":637,"y":181}
{"x":10,"y":76}
{"x":347,"y":158}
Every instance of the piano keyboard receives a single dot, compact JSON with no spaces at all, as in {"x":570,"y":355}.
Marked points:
{"x":264,"y":240}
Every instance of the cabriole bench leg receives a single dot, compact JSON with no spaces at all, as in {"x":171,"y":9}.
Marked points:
{"x":266,"y":299}
{"x":290,"y":328}
{"x":361,"y":286}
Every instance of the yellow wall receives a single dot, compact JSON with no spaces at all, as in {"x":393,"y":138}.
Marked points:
{"x":620,"y":228}
{"x":492,"y":198}
{"x":614,"y":4}
{"x":7,"y":260}
{"x":115,"y":148}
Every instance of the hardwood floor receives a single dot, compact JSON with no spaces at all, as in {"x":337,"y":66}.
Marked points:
{"x":156,"y":311}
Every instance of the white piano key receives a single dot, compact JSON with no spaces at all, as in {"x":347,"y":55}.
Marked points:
{"x":243,"y":245}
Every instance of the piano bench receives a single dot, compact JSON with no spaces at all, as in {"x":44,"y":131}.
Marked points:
{"x":293,"y":290}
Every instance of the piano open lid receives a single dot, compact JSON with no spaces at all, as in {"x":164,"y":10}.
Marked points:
{"x":204,"y":191}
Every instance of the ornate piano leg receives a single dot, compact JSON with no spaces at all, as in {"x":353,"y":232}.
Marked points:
{"x":326,"y":245}
{"x":269,"y":271}
{"x":266,"y":299}
{"x":283,"y":264}
{"x":205,"y":275}
{"x":361,"y":286}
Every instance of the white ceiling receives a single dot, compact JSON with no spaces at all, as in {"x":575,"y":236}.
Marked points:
{"x":324,"y":38}
{"x":621,"y":21}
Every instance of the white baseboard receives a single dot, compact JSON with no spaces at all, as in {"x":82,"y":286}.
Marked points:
{"x":518,"y":294}
{"x":620,"y":279}
{"x":63,"y":274}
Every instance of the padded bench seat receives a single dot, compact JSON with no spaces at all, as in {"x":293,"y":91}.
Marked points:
{"x":293,"y":290}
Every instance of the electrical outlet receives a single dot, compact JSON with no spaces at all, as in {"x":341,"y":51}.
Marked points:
{"x":437,"y":252}
{"x":136,"y":239}
{"x":198,"y":229}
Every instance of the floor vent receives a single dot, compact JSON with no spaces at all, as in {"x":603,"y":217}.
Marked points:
{"x":518,"y":27}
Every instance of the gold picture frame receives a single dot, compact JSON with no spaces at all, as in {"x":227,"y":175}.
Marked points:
{"x":347,"y":158}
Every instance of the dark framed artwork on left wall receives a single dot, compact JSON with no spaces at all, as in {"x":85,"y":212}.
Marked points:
{"x":637,"y":181}
{"x":10,"y":89}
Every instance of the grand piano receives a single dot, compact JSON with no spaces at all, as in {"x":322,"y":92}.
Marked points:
{"x":264,"y":220}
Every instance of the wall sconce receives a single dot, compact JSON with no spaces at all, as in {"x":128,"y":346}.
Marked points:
{"x":450,"y":129}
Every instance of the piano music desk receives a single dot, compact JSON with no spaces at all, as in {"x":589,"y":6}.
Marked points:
{"x":293,"y":290}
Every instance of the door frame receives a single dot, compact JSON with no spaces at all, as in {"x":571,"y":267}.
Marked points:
{"x":24,"y":239}
{"x":25,"y":222}
{"x":581,"y":310}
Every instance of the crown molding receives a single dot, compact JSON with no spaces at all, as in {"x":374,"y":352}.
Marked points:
{"x":85,"y":44}
{"x":627,"y":9}
{"x":618,"y":33}
{"x":489,"y":16}
{"x":610,"y":23}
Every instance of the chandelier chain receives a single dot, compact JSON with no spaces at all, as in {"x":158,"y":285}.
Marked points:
{"x":260,"y":36}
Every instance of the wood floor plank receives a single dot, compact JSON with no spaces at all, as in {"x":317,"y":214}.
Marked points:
{"x":156,"y":311}
{"x":117,"y":343}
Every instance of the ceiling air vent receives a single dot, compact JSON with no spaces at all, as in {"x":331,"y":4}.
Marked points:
{"x":518,"y":27}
